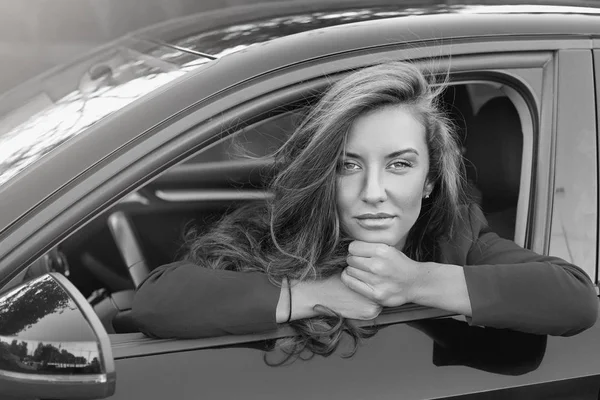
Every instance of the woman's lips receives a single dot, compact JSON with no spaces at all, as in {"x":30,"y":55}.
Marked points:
{"x":377,"y":221}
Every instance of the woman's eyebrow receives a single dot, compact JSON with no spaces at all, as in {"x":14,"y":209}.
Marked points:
{"x":352,"y":155}
{"x":391,"y":155}
{"x":402,"y":152}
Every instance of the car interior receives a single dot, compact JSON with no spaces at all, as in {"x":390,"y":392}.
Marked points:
{"x":110,"y":256}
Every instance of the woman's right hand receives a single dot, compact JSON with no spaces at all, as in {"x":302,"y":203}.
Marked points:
{"x":307,"y":296}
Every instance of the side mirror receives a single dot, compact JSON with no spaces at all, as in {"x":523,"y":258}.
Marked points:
{"x":52,"y":344}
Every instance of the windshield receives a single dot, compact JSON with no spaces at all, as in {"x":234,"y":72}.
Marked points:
{"x":45,"y":113}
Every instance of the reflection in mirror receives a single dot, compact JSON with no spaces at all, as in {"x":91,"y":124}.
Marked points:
{"x":42,"y":331}
{"x":31,"y":356}
{"x":33,"y":310}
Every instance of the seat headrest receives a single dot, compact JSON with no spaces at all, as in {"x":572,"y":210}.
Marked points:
{"x":495,"y":147}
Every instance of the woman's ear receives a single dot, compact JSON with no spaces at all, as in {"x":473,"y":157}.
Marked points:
{"x":428,"y":188}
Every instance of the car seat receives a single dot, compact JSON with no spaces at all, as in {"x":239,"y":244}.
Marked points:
{"x":494,"y":150}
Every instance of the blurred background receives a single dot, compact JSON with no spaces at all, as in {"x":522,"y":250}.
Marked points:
{"x":36,"y":35}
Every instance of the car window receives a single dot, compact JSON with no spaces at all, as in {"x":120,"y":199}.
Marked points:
{"x":257,"y":140}
{"x":224,"y":175}
{"x":220,"y":178}
{"x":48,"y":111}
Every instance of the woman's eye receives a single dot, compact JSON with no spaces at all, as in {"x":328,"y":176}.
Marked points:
{"x":350,"y":166}
{"x":400,"y":164}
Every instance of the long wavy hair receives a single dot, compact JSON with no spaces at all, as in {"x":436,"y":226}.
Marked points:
{"x":297,"y":233}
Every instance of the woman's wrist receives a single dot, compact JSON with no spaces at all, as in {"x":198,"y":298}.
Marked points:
{"x":305,"y":295}
{"x":441,"y":286}
{"x":284,"y":304}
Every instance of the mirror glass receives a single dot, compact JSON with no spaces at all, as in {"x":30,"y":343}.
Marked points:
{"x":42,"y":331}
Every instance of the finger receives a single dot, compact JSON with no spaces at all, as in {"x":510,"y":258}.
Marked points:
{"x":361,"y":275}
{"x":366,"y":249}
{"x":356,"y":285}
{"x":361,"y":263}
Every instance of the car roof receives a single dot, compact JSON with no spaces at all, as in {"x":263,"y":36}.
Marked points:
{"x":230,"y":31}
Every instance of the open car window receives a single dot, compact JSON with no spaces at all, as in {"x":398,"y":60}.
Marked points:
{"x":230,"y":172}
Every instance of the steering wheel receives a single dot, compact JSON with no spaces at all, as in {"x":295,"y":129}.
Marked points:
{"x":127,"y":242}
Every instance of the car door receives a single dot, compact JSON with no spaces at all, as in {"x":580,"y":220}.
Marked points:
{"x":415,"y":354}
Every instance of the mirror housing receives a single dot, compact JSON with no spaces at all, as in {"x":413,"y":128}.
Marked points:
{"x":52,"y":344}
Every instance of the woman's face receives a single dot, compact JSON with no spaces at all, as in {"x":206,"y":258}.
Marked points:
{"x":382,"y":178}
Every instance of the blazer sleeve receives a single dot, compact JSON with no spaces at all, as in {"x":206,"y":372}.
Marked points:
{"x":184,"y":300}
{"x":511,"y":287}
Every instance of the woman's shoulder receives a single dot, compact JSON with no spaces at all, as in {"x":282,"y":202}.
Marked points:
{"x":470,"y":223}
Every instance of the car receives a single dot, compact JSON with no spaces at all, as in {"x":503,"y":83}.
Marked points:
{"x":104,"y":163}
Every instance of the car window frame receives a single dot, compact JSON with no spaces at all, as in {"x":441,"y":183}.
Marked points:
{"x":410,"y":312}
{"x":596,"y":67}
{"x":189,"y":140}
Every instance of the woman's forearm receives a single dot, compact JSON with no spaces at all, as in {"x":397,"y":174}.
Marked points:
{"x":183,"y":300}
{"x":547,"y":298}
{"x":442,"y":286}
{"x":331,"y":294}
{"x":305,"y":296}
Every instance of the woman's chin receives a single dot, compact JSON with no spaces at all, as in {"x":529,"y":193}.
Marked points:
{"x":390,"y":240}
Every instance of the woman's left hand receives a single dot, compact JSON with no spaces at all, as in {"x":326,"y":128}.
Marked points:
{"x":381,"y":273}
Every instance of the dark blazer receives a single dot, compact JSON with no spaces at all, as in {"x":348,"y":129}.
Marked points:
{"x":509,"y":287}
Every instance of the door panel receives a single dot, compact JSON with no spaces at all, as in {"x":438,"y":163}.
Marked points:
{"x":420,"y":360}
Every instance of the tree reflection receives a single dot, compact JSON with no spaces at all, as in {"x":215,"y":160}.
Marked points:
{"x":26,"y":305}
{"x":47,"y":358}
{"x":20,"y":349}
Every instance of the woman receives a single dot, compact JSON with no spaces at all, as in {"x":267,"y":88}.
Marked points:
{"x":369,"y":210}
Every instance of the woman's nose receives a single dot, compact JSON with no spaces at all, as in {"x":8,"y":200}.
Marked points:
{"x":374,"y":189}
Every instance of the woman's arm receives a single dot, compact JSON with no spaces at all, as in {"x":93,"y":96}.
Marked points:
{"x":549,"y":297}
{"x":390,"y":278}
{"x":331,"y":293}
{"x":492,"y":280}
{"x":511,"y":287}
{"x":442,"y":286}
{"x":184,"y":300}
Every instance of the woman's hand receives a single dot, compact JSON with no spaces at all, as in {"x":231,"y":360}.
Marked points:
{"x":387,"y":276}
{"x":349,"y":303}
{"x":381,"y":273}
{"x":308,"y":296}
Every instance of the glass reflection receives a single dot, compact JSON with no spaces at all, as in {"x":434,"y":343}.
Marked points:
{"x":454,"y":342}
{"x":499,"y":351}
{"x":524,"y":9}
{"x":48,"y":358}
{"x":116,"y":79}
{"x":226,"y":40}
{"x":42,"y":331}
{"x":25,"y":306}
